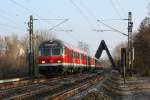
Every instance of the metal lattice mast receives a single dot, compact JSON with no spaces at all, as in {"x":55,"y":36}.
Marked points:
{"x":31,"y":50}
{"x":130,"y":41}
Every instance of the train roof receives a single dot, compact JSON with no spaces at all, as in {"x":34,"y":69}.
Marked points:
{"x":60,"y":42}
{"x":50,"y":42}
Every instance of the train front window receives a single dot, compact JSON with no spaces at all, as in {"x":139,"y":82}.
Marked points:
{"x":56,"y":51}
{"x":45,"y":52}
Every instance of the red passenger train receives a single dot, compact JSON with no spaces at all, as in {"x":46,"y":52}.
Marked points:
{"x":56,"y":56}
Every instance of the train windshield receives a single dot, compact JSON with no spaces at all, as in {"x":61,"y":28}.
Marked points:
{"x":45,"y":52}
{"x":56,"y":51}
{"x":51,"y":51}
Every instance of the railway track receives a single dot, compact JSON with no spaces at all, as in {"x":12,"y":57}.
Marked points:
{"x":54,"y":88}
{"x":9,"y":89}
{"x":18,"y":82}
{"x":74,"y":90}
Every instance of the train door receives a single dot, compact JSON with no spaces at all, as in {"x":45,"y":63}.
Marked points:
{"x":80,"y":59}
{"x":72,"y":58}
{"x":88,"y":61}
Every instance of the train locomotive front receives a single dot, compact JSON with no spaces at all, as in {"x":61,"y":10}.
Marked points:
{"x":51,"y":54}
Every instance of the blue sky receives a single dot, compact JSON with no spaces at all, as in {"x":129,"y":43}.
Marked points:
{"x":82,"y":15}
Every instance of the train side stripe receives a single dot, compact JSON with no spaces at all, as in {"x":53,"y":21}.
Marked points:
{"x":67,"y":64}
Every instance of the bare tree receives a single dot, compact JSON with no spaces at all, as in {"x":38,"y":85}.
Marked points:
{"x":12,"y":62}
{"x":142,"y":48}
{"x":15,"y":63}
{"x":2,"y":46}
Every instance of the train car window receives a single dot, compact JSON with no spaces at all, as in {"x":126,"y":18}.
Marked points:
{"x":81,"y":56}
{"x":56,"y":51}
{"x":45,"y":52}
{"x":72,"y":54}
{"x":77,"y":55}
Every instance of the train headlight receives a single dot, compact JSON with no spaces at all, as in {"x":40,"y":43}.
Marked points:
{"x":43,"y":62}
{"x":58,"y":61}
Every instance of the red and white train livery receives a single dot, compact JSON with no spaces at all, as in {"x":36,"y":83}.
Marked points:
{"x":56,"y":56}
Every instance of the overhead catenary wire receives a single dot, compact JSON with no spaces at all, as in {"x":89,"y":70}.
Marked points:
{"x":5,"y":13}
{"x":6,"y":17}
{"x":121,"y":7}
{"x":112,"y":19}
{"x":23,"y":7}
{"x":50,"y":19}
{"x":58,"y":24}
{"x":93,"y":16}
{"x":13,"y":27}
{"x":89,"y":11}
{"x":68,"y":34}
{"x":63,"y":30}
{"x":73,"y":3}
{"x":53,"y":27}
{"x":9,"y":20}
{"x":112,"y":28}
{"x":115,"y":8}
{"x":31,"y":11}
{"x":81,"y":13}
{"x":74,"y":38}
